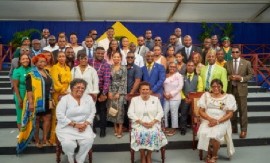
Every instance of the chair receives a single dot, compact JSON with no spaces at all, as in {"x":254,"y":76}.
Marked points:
{"x":59,"y":149}
{"x":132,"y":152}
{"x":195,"y":119}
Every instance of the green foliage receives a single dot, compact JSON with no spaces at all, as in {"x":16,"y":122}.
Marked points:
{"x":17,"y":37}
{"x":216,"y":29}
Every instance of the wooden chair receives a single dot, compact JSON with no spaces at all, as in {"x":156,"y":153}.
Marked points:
{"x":59,"y":150}
{"x":195,"y":119}
{"x":132,"y":152}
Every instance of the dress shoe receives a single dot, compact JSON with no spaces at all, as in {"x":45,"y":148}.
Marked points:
{"x":243,"y":134}
{"x":183,"y":131}
{"x":102,"y":133}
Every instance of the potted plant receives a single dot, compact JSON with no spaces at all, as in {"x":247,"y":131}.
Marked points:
{"x":17,"y":37}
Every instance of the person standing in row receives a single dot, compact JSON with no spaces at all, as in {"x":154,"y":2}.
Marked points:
{"x":104,"y":74}
{"x":61,"y":76}
{"x":239,"y":73}
{"x":117,"y":92}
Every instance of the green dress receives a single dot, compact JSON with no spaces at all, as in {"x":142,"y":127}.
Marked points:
{"x":19,"y":74}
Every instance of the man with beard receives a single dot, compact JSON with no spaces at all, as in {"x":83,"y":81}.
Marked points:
{"x":149,"y":42}
{"x":45,"y":40}
{"x":104,"y":74}
{"x":134,"y":76}
{"x":70,"y":57}
{"x":52,"y":44}
{"x":206,"y":48}
{"x":62,"y":47}
{"x":214,"y":43}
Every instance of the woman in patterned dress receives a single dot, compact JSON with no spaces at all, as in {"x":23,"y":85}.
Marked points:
{"x":145,"y":112}
{"x":117,"y":92}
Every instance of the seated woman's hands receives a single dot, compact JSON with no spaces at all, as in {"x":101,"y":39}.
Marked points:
{"x":213,"y":122}
{"x":146,"y":124}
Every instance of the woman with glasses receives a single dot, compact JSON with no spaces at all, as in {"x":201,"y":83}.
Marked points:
{"x":173,"y":85}
{"x":216,"y":109}
{"x":75,"y":113}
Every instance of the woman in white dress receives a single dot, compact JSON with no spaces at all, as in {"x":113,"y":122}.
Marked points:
{"x":75,"y":113}
{"x":216,"y":109}
{"x":145,"y":112}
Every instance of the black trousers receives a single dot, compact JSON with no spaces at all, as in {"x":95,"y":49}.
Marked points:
{"x":102,"y":112}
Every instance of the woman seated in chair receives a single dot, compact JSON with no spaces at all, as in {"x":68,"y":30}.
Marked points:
{"x":145,"y":112}
{"x":216,"y":109}
{"x":75,"y":113}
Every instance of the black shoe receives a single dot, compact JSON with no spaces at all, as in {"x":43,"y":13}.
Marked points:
{"x":102,"y":133}
{"x":183,"y":131}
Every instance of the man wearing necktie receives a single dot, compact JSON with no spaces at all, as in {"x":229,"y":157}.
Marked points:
{"x":154,"y":74}
{"x":239,"y":73}
{"x":89,"y":50}
{"x":192,"y":83}
{"x":213,"y":71}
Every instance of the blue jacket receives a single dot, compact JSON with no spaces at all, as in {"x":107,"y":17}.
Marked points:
{"x":156,"y":78}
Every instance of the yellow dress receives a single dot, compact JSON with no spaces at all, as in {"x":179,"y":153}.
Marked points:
{"x":61,"y":77}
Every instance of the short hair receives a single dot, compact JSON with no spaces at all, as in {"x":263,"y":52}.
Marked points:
{"x":19,"y":63}
{"x":218,"y":82}
{"x":110,"y":28}
{"x":72,"y":33}
{"x":37,"y":57}
{"x":236,"y":47}
{"x":99,"y":48}
{"x":88,"y":37}
{"x":130,"y":52}
{"x":77,"y":81}
{"x":81,"y":55}
{"x":144,"y":83}
{"x":170,"y":46}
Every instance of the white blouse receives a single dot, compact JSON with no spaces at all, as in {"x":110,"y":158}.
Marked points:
{"x":89,"y":75}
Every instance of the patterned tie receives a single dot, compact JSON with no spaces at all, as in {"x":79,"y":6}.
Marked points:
{"x":208,"y":78}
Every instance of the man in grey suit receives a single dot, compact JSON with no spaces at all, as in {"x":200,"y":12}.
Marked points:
{"x":141,"y":49}
{"x":189,"y":49}
{"x":239,"y":73}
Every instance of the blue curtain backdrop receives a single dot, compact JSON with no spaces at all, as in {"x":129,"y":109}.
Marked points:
{"x":244,"y":33}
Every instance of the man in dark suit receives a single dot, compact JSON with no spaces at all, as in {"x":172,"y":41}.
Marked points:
{"x":154,"y":73}
{"x":62,"y":47}
{"x":188,"y":49}
{"x":239,"y":73}
{"x":89,"y":50}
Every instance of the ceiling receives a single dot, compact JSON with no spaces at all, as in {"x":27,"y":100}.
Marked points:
{"x":137,"y":10}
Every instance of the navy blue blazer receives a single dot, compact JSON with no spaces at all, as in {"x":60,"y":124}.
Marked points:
{"x":156,"y":78}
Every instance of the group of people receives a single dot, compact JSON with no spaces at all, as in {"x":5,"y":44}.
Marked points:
{"x":64,"y":85}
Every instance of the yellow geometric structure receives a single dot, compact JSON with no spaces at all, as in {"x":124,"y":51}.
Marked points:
{"x":120,"y":30}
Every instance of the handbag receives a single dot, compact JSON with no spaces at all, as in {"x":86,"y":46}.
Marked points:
{"x":113,"y":111}
{"x":51,"y":104}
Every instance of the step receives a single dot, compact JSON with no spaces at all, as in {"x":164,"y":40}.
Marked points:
{"x":4,"y":73}
{"x":256,"y":137}
{"x":7,"y":84}
{"x":5,"y":91}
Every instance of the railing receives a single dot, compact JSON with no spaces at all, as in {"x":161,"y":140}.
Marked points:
{"x":5,"y":52}
{"x":255,"y":48}
{"x":259,"y":64}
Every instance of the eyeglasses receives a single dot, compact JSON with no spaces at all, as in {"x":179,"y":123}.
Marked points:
{"x":157,"y":40}
{"x":130,"y":57}
{"x":94,"y":34}
{"x":235,"y":51}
